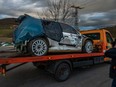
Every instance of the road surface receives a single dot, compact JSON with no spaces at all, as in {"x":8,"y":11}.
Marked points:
{"x":29,"y":76}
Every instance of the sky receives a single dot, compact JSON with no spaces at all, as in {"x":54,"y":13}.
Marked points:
{"x":95,"y":12}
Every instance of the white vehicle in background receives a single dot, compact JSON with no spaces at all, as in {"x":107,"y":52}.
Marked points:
{"x":38,"y":37}
{"x":6,"y":44}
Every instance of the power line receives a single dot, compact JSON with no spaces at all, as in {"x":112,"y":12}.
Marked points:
{"x":91,"y":4}
{"x":85,"y":3}
{"x":76,"y":15}
{"x":81,"y":2}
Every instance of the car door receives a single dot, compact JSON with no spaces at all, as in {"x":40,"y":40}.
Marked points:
{"x":52,"y":30}
{"x":71,"y":39}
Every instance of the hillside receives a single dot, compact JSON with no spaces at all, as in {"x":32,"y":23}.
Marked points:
{"x":6,"y":23}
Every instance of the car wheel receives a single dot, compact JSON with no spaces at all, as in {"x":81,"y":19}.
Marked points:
{"x":88,"y":46}
{"x":38,"y":47}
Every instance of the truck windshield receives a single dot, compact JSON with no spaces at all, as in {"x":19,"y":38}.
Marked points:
{"x":109,"y":38}
{"x":94,"y":36}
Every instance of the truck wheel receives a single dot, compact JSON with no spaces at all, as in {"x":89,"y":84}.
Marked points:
{"x":88,"y":46}
{"x":62,"y":72}
{"x":38,"y":47}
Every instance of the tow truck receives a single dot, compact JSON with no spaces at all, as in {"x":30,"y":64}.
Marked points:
{"x":100,"y":36}
{"x":60,"y":65}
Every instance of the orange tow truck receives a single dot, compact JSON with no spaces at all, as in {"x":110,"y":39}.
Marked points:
{"x":61,"y":65}
{"x":102,"y":39}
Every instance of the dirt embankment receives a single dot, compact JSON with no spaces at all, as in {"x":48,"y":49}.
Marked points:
{"x":5,"y":39}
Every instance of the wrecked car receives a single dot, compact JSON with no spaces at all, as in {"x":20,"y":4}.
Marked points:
{"x":38,"y":37}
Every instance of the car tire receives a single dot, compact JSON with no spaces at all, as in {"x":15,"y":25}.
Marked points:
{"x":38,"y":47}
{"x":88,"y":46}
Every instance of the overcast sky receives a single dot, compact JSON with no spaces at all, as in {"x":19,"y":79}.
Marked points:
{"x":95,"y":12}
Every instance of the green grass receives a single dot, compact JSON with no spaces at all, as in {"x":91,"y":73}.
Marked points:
{"x":6,"y":32}
{"x":5,"y":39}
{"x":6,"y":35}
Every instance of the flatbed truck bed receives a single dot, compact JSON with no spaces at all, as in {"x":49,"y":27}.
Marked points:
{"x":56,"y":62}
{"x":22,"y":59}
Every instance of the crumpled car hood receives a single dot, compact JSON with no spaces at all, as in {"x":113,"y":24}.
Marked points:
{"x":27,"y":29}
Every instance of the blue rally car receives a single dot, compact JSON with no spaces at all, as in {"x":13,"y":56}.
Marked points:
{"x":38,"y":37}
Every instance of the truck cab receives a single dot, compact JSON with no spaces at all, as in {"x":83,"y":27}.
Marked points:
{"x":102,"y":39}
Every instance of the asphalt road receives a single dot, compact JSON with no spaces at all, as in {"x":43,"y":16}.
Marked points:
{"x":29,"y":76}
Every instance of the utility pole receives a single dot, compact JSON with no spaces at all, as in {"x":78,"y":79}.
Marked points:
{"x":76,"y":16}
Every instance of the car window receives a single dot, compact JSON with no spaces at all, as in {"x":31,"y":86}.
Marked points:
{"x":53,"y":30}
{"x":67,"y":28}
{"x":94,"y":36}
{"x":109,"y":38}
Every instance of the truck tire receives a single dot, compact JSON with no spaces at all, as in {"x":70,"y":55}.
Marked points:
{"x":62,"y":72}
{"x":38,"y":47}
{"x":88,"y":46}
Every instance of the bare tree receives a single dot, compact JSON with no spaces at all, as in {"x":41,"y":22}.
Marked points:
{"x":58,"y":10}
